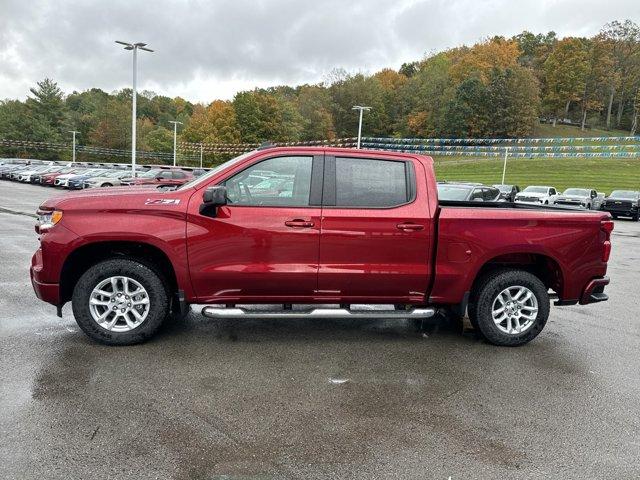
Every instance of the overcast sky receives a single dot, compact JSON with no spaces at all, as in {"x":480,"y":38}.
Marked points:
{"x":211,"y":49}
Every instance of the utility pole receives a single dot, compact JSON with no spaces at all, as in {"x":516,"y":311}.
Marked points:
{"x":175,"y":136}
{"x":134,"y":48}
{"x":504,"y":167}
{"x":200,"y":155}
{"x":362,"y":109}
{"x":74,"y":145}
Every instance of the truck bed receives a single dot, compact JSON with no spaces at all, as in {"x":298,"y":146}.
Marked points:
{"x":470,"y":235}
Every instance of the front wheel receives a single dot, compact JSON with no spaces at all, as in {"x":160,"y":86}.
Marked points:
{"x":120,"y":302}
{"x":511,"y":307}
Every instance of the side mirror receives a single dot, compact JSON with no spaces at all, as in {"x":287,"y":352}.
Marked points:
{"x":212,"y":198}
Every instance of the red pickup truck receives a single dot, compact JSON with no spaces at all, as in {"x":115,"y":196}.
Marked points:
{"x":336,"y":227}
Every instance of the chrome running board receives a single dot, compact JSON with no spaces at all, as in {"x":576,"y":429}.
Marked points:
{"x":238,"y":313}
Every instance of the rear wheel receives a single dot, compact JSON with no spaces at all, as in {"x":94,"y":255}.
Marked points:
{"x":510,"y":307}
{"x":106,"y":185}
{"x":120,"y":302}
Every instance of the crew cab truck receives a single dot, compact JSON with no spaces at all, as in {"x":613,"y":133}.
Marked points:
{"x":343,"y":228}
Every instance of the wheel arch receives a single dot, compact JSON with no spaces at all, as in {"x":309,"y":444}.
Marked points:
{"x":89,"y":254}
{"x":542,"y":265}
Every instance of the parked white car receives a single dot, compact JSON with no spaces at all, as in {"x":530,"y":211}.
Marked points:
{"x":537,"y":195}
{"x":25,"y":175}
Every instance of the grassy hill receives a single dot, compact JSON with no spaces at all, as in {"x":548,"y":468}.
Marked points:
{"x":603,"y":174}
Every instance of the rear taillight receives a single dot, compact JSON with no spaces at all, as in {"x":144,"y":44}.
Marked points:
{"x":607,"y":227}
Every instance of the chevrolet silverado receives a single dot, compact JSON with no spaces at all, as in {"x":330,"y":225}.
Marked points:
{"x":340,"y":227}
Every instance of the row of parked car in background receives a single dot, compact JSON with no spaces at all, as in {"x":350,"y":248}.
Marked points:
{"x":620,"y":203}
{"x":91,"y":175}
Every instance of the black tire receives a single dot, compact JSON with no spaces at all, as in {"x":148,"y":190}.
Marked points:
{"x":487,"y":290}
{"x":106,"y":185}
{"x":134,"y":269}
{"x":635,"y":217}
{"x":615,"y":217}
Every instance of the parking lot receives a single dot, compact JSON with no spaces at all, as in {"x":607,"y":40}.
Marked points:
{"x":307,"y":399}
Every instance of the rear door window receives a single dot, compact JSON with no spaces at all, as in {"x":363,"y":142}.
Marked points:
{"x":489,"y":194}
{"x":478,"y":194}
{"x":361,"y":182}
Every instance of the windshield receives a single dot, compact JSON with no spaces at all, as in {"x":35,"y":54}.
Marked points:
{"x":535,"y":190}
{"x":578,"y":192}
{"x":624,"y":194}
{"x":149,"y":173}
{"x":114,"y":174}
{"x":95,"y":173}
{"x":450,"y":192}
{"x":216,"y":170}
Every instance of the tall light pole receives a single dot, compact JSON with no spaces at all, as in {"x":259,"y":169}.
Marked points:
{"x":134,"y":47}
{"x":201,"y":155}
{"x":175,"y":136}
{"x":74,"y":144}
{"x":504,"y":166}
{"x":362,"y":109}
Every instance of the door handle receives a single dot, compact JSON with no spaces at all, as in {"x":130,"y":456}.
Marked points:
{"x":409,"y":227}
{"x":297,"y":223}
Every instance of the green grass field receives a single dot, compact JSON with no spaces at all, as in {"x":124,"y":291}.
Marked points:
{"x":603,"y":174}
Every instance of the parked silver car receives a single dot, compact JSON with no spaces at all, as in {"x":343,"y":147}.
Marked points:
{"x":111,"y":179}
{"x":579,"y":197}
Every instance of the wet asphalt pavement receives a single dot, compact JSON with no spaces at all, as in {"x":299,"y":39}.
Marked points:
{"x":209,"y":399}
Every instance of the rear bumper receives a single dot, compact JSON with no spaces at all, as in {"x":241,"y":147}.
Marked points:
{"x":594,"y":291}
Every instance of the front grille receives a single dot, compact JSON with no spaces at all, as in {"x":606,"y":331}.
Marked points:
{"x":618,"y":204}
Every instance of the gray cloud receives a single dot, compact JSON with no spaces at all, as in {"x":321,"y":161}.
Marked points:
{"x":211,"y":49}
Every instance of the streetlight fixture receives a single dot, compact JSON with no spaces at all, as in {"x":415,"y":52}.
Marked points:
{"x":134,"y":48}
{"x":175,"y":136}
{"x":362,"y":109}
{"x":74,"y":144}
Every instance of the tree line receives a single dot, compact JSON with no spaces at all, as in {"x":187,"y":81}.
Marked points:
{"x":499,"y":87}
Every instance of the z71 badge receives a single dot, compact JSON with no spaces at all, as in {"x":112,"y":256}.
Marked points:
{"x":162,"y":201}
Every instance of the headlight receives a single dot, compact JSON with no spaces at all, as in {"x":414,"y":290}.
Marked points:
{"x":47,"y":219}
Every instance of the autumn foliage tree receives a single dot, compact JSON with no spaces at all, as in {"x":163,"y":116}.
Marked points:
{"x":566,"y":72}
{"x":498,"y":87}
